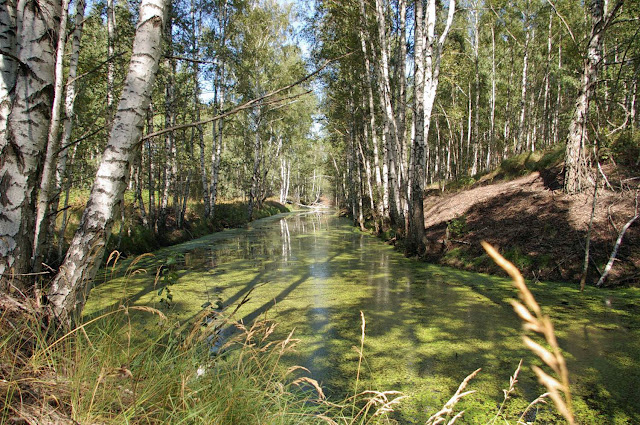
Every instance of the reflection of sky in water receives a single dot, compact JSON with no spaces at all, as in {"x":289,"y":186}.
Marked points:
{"x":427,"y":327}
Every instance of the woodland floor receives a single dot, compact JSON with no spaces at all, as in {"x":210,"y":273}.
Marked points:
{"x":539,"y":228}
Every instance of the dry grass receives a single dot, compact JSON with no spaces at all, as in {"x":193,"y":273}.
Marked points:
{"x":533,"y":320}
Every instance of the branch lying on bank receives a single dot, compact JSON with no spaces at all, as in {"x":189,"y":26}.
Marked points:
{"x":614,"y":253}
{"x":250,"y":103}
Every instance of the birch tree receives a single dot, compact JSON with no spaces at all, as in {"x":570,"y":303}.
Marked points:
{"x":70,"y":288}
{"x":576,"y":176}
{"x":430,"y":55}
{"x":26,"y":98}
{"x":45,"y":194}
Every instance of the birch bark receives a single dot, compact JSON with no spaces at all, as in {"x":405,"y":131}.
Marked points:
{"x":26,"y":98}
{"x":416,"y":211}
{"x":382,"y":190}
{"x":170,"y":171}
{"x":53,"y":146}
{"x":111,"y":41}
{"x":432,"y":55}
{"x":69,"y":106}
{"x":70,"y":288}
{"x":576,"y":176}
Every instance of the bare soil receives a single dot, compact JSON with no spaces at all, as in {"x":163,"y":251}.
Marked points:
{"x":538,"y":227}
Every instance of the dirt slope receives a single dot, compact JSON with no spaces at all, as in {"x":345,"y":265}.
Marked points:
{"x":536,"y":226}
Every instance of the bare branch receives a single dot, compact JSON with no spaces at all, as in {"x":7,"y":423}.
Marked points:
{"x":250,"y":103}
{"x":95,"y":68}
{"x":182,"y":58}
{"x":553,"y":6}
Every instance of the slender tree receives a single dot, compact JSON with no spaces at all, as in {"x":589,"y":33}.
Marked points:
{"x":26,"y":94}
{"x":70,"y":288}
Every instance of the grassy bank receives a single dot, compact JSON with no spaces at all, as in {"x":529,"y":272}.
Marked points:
{"x":114,"y":370}
{"x":133,"y":237}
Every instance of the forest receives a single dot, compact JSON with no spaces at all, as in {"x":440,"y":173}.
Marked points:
{"x":434,"y":125}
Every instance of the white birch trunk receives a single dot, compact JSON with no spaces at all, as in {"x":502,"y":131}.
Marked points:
{"x":383,"y":206}
{"x":547,"y":86}
{"x":45,"y":194}
{"x":8,"y":64}
{"x":428,"y":57}
{"x":492,"y":134}
{"x":170,"y":171}
{"x":70,"y":97}
{"x":217,"y":134}
{"x":416,"y":230}
{"x":26,"y":107}
{"x":393,"y":138}
{"x":70,"y":288}
{"x":255,"y":175}
{"x":476,"y":86}
{"x":523,"y":89}
{"x":576,"y":176}
{"x":111,"y":41}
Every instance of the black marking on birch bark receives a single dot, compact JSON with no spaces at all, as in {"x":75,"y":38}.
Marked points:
{"x":5,"y":182}
{"x":116,"y":161}
{"x":16,"y":151}
{"x":144,"y":55}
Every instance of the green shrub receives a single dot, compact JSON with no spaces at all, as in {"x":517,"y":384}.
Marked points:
{"x":458,"y":227}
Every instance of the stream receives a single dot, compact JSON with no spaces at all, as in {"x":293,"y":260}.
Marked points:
{"x":427,"y":327}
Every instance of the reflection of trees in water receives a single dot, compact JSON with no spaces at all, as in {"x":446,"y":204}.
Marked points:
{"x":286,"y":240}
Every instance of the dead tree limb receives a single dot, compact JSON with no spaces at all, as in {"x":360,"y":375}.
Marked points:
{"x":612,"y":258}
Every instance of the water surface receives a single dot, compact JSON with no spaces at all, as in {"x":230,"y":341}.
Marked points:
{"x":427,"y":327}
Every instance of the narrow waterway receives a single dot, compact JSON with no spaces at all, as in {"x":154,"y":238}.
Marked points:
{"x":427,"y":327}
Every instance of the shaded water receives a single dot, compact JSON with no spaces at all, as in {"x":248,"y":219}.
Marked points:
{"x":427,"y":327}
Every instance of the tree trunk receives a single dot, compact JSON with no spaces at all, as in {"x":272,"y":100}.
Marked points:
{"x":428,"y":57}
{"x":137,"y":179}
{"x":546,"y":116}
{"x":26,"y":106}
{"x":170,"y":171}
{"x":255,"y":175}
{"x":111,"y":71}
{"x":518,"y":148}
{"x":576,"y":177}
{"x":46,"y":193}
{"x":71,"y":286}
{"x":67,"y":123}
{"x":150,"y":179}
{"x":416,"y":208}
{"x":492,"y":131}
{"x":476,"y":87}
{"x":383,"y":200}
{"x":196,"y":102}
{"x":392,"y":136}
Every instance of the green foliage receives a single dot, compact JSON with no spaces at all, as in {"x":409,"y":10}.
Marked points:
{"x":521,"y":260}
{"x":137,"y":240}
{"x":458,"y":226}
{"x":624,"y":148}
{"x":168,"y":277}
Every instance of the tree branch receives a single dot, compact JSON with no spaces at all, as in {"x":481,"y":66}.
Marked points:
{"x":81,"y":138}
{"x":95,"y":68}
{"x":182,"y":58}
{"x":250,"y":103}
